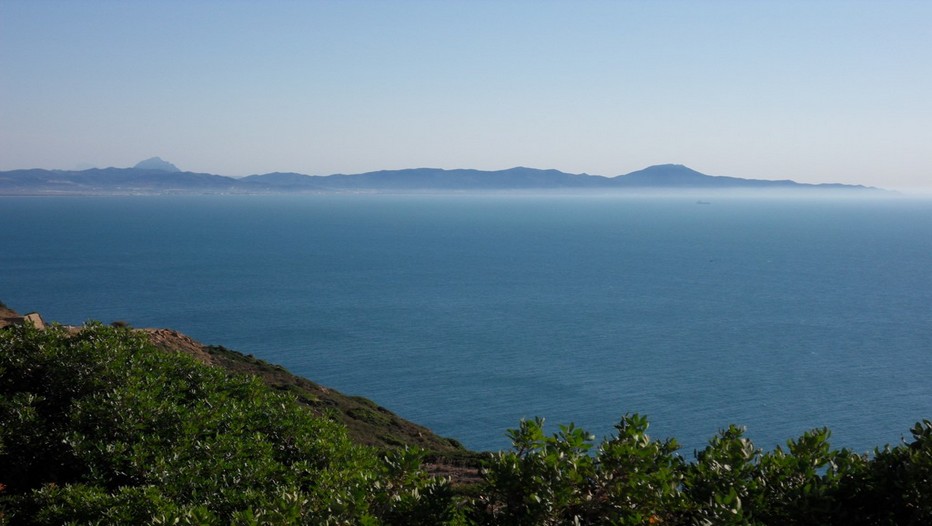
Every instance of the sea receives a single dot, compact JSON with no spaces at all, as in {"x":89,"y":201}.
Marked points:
{"x":468,"y":313}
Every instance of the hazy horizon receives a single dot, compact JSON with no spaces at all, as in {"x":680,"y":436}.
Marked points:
{"x":826,"y":92}
{"x":802,"y":191}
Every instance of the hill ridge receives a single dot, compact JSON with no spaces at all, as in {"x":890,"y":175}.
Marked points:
{"x":367,"y":422}
{"x":129,"y":181}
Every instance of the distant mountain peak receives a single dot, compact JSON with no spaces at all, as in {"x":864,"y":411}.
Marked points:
{"x":670,"y":169}
{"x":665,"y":174}
{"x":156,"y":163}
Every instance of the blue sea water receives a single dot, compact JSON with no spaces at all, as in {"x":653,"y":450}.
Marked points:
{"x":468,"y":313}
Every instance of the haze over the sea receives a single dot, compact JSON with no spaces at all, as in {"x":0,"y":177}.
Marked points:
{"x":827,"y":91}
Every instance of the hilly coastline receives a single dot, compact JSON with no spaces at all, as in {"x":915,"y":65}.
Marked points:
{"x":155,"y":176}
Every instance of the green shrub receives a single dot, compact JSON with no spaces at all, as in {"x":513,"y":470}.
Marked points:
{"x":100,"y":427}
{"x":631,"y":479}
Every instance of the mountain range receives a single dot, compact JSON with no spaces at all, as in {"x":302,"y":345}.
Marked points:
{"x":155,"y":176}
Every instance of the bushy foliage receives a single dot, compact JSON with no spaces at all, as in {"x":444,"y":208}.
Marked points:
{"x":733,"y":482}
{"x":632,"y":479}
{"x":895,"y":487}
{"x":97,"y":427}
{"x":555,"y":480}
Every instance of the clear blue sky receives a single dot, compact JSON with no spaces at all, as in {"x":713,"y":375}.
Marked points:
{"x":816,"y":91}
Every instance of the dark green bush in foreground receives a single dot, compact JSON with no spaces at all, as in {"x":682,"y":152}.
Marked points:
{"x":98,"y":427}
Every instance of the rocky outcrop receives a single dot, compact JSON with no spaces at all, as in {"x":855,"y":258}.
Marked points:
{"x":10,"y":317}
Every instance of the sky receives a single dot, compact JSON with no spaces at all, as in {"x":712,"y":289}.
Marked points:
{"x":814,"y":91}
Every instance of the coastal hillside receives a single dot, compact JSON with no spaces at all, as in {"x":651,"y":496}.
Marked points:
{"x":99,"y":426}
{"x":111,"y":425}
{"x":366,"y":422}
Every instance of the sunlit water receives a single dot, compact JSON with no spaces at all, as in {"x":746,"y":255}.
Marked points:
{"x":467,"y":313}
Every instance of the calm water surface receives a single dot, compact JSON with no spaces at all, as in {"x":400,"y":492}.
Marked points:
{"x":467,"y":313}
